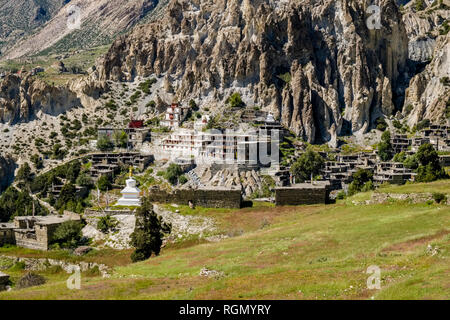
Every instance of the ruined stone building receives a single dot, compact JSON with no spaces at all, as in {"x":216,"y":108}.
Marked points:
{"x":31,"y":232}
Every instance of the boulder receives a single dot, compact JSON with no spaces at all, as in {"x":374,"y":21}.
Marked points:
{"x":81,"y":251}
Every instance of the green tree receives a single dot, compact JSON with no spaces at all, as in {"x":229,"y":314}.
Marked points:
{"x":362,"y":181}
{"x":14,"y":203}
{"x":173,"y":173}
{"x":37,"y":161}
{"x":68,"y":234}
{"x":306,"y":165}
{"x":67,"y":195}
{"x":120,"y":139}
{"x":24,"y":173}
{"x":104,"y":183}
{"x":84,"y":180}
{"x":73,"y":170}
{"x":430,"y":168}
{"x":235,"y":101}
{"x":148,"y":233}
{"x":385,"y":146}
{"x":104,"y":143}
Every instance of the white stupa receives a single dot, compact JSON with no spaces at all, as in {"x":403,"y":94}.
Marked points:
{"x":131,"y":194}
{"x":270,"y":118}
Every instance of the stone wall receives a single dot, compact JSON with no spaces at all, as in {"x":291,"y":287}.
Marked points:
{"x":41,"y":264}
{"x":208,"y":198}
{"x":301,"y":195}
{"x":6,"y":236}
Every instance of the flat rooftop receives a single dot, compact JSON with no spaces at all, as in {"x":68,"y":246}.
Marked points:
{"x":316,"y":185}
{"x":45,"y":220}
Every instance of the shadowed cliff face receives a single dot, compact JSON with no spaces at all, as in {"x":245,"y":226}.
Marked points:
{"x":7,"y":168}
{"x":315,"y":64}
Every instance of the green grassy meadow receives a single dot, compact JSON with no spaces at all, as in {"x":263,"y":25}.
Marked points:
{"x":305,"y":252}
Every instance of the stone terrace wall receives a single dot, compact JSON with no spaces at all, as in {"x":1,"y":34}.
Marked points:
{"x":301,"y":196}
{"x":208,"y":198}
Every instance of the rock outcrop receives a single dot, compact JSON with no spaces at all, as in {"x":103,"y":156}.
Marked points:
{"x":21,"y":98}
{"x":313,"y":64}
{"x":428,"y":92}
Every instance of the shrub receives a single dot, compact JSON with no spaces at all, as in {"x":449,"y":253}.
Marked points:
{"x":439,"y":197}
{"x":362,"y":180}
{"x":68,"y":234}
{"x":104,"y":143}
{"x":104,"y":183}
{"x":235,"y":101}
{"x":173,"y":173}
{"x":381,"y":124}
{"x":340,"y":195}
{"x":107,"y":224}
{"x":182,"y":179}
{"x":307,"y":164}
{"x":18,"y":266}
{"x":30,"y":280}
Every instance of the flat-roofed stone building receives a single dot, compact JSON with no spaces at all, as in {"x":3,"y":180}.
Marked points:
{"x":303,"y":194}
{"x":36,"y":232}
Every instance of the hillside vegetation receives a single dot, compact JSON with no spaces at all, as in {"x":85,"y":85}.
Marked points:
{"x":308,"y":252}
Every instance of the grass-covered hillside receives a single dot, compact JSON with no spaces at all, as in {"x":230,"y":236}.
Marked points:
{"x":306,"y":252}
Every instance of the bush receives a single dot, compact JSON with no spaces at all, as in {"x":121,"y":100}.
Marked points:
{"x":104,"y":143}
{"x":107,"y":224}
{"x":340,"y":195}
{"x":235,"y":101}
{"x":104,"y":183}
{"x":362,"y":181}
{"x":173,"y":173}
{"x":68,"y":234}
{"x":381,"y":124}
{"x":30,"y":280}
{"x":307,"y":164}
{"x":439,"y":197}
{"x":182,"y":179}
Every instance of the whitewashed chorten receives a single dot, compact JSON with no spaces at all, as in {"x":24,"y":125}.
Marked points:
{"x":131,"y":194}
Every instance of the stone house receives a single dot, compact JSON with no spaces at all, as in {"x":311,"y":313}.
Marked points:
{"x":303,"y":194}
{"x":36,"y":232}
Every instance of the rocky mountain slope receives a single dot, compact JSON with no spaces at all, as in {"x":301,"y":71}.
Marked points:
{"x":20,"y":18}
{"x":100,"y":22}
{"x":316,"y":65}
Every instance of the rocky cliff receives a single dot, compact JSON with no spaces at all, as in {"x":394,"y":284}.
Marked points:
{"x":428,"y":92}
{"x":315,"y":64}
{"x":22,"y":97}
{"x":7,"y":168}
